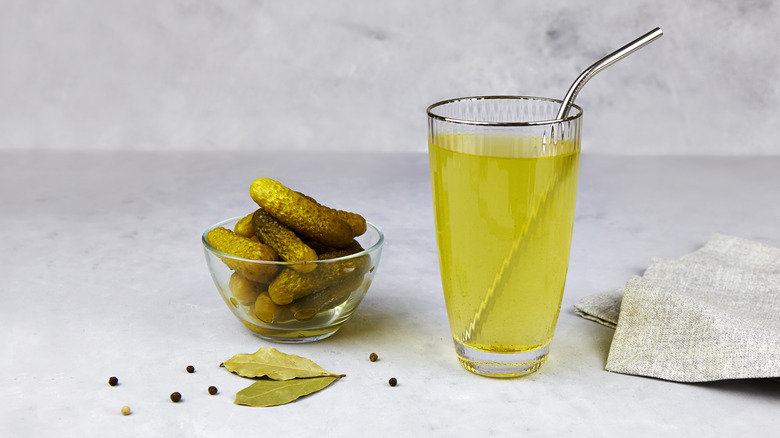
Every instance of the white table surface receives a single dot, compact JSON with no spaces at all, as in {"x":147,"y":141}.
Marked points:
{"x":103,"y":274}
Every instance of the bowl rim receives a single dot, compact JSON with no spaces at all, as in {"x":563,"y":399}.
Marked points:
{"x":373,"y":248}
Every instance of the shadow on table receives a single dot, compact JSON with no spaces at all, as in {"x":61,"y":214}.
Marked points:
{"x":383,"y":317}
{"x":766,"y":388}
{"x":367,"y":323}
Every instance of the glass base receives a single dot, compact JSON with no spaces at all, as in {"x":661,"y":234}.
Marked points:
{"x":292,"y":336}
{"x":493,"y":364}
{"x":296,"y":339}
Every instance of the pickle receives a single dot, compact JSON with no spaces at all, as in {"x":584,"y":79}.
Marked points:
{"x":269,"y":312}
{"x":303,"y":216}
{"x":326,"y":252}
{"x":244,"y":291}
{"x":228,"y":242}
{"x":291,"y":285}
{"x":354,"y":220}
{"x":289,"y":247}
{"x":309,"y":306}
{"x":353,"y":248}
{"x":244,"y":228}
{"x":318,"y":247}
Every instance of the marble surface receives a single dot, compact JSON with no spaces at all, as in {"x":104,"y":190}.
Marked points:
{"x":103,"y":275}
{"x":349,"y":75}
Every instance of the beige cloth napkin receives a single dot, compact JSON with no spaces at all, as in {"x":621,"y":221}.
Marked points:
{"x":710,"y":315}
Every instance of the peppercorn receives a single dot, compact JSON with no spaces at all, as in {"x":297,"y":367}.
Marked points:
{"x":125,"y":410}
{"x":190,"y":369}
{"x":373,"y":357}
{"x":212,"y":390}
{"x":392,"y":381}
{"x":113,"y":381}
{"x":175,"y":397}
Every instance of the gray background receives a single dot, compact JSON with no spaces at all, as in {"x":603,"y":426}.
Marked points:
{"x":358,"y":75}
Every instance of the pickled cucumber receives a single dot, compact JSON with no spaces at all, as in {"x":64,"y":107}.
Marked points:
{"x":309,"y":306}
{"x":244,"y":228}
{"x":355,"y":221}
{"x":269,"y":312}
{"x":289,"y":247}
{"x":243,"y":290}
{"x":290,"y":285}
{"x":228,"y":242}
{"x":303,"y":216}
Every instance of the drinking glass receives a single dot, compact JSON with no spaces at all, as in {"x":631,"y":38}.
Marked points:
{"x":504,"y":179}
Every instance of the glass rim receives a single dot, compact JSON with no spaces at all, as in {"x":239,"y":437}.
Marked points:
{"x":218,"y":253}
{"x":433,"y":115}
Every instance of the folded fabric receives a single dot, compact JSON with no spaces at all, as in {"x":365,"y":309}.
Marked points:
{"x":710,"y":315}
{"x":603,"y":308}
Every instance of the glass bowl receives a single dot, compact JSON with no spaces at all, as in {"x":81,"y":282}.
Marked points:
{"x":333,"y":289}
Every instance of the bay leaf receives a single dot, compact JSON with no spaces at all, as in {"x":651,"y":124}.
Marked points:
{"x":264,"y":393}
{"x":270,"y":362}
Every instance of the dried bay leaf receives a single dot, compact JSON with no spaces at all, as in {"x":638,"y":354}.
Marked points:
{"x":270,"y":362}
{"x":265,"y":393}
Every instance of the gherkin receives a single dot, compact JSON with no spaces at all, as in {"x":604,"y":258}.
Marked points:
{"x":268,"y":311}
{"x":300,"y":214}
{"x":228,"y":242}
{"x":243,"y":227}
{"x":290,"y":285}
{"x":289,"y":247}
{"x":243,"y":290}
{"x":309,"y":306}
{"x":355,"y":221}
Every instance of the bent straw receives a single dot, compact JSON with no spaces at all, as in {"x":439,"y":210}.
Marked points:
{"x":603,"y":63}
{"x":571,"y":94}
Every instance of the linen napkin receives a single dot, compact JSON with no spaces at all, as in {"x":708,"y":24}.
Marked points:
{"x":713,"y":314}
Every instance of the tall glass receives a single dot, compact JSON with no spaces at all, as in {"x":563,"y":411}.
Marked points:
{"x":504,"y":177}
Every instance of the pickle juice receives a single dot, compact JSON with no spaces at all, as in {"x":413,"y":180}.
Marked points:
{"x":504,"y":212}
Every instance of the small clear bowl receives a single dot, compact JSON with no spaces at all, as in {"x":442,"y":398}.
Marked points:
{"x":341,"y":284}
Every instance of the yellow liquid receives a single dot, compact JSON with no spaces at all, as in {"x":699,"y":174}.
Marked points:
{"x":504,"y":221}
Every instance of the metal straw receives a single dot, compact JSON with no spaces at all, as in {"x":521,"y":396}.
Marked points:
{"x":487,"y":303}
{"x":603,"y":63}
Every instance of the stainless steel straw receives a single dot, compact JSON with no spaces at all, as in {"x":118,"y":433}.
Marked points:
{"x":575,"y":88}
{"x":603,"y":63}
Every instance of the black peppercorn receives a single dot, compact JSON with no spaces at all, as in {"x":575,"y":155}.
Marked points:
{"x":392,"y":381}
{"x":175,"y":397}
{"x":212,"y":390}
{"x":190,"y":369}
{"x":113,"y":381}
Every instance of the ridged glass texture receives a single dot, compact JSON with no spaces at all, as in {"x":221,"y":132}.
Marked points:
{"x":522,"y":117}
